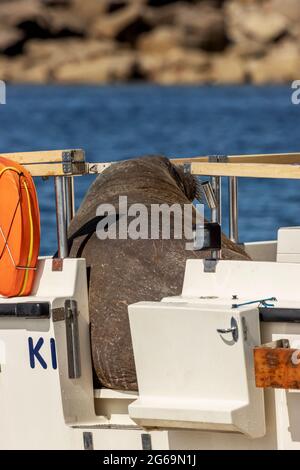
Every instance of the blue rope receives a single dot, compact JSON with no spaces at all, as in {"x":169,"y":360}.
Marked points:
{"x":262,"y":302}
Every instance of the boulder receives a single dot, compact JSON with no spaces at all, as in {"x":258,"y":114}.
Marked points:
{"x":88,"y":10}
{"x":19,"y":70}
{"x":248,"y":49}
{"x":228,"y":68}
{"x":201,"y":23}
{"x":17,"y":12}
{"x":37,"y":73}
{"x":176,"y":65}
{"x":43,"y":60}
{"x":161,"y":39}
{"x":253,"y":21}
{"x":279,"y":66}
{"x":124,"y":25}
{"x":35,"y":20}
{"x":166,"y":42}
{"x":4,"y":64}
{"x":204,"y":27}
{"x":61,"y":22}
{"x":60,"y":51}
{"x":111,"y":68}
{"x":10,"y":39}
{"x":57,"y":3}
{"x":288,"y":8}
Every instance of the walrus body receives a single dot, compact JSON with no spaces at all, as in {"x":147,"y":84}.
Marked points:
{"x":122,"y":272}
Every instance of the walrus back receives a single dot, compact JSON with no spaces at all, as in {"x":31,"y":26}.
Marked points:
{"x":125,"y":271}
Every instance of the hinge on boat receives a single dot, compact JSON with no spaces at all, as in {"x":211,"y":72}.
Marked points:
{"x":187,"y":168}
{"x":73,"y":162}
{"x":57,"y":264}
{"x":72,"y":335}
{"x":88,"y":443}
{"x":69,"y":314}
{"x":146,"y":441}
{"x":67,"y":161}
{"x":244,"y":328}
{"x":218,"y":159}
{"x":210,"y":265}
{"x":58,"y":314}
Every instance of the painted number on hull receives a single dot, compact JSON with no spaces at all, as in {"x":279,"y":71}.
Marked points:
{"x":36,"y":353}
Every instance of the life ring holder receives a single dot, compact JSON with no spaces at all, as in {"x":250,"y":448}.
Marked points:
{"x":23,"y":234}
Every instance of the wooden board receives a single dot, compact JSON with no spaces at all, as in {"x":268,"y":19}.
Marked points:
{"x":249,"y":170}
{"x":278,"y":158}
{"x":276,"y":367}
{"x":56,"y":169}
{"x":44,"y":156}
{"x":51,"y":163}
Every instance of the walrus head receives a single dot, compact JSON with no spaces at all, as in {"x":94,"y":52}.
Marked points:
{"x":189,"y":184}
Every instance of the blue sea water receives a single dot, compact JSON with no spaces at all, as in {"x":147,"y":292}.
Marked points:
{"x":120,"y":122}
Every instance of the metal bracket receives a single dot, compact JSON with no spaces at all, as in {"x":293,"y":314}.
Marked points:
{"x":218,"y":159}
{"x":72,"y":335}
{"x":233,"y":330}
{"x":244,"y":328}
{"x":88,"y":443}
{"x":210,"y":265}
{"x":58,"y":314}
{"x":187,"y":168}
{"x":73,"y":162}
{"x":146,"y":441}
{"x":57,"y":264}
{"x":261,"y":302}
{"x":67,"y":161}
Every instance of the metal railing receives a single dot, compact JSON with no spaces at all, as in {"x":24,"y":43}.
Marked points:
{"x":63,"y":165}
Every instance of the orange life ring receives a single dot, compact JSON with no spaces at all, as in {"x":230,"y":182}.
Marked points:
{"x":19,"y":229}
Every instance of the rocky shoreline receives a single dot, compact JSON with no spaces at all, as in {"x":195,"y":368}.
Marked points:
{"x":165,"y":42}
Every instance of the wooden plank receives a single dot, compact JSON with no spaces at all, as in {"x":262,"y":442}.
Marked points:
{"x":55,"y":169}
{"x":45,"y":163}
{"x":254,"y":170}
{"x":279,"y":158}
{"x":44,"y":156}
{"x":52,"y":162}
{"x":277,"y":367}
{"x":249,"y":170}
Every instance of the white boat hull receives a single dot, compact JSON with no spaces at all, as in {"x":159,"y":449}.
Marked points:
{"x":41,"y":407}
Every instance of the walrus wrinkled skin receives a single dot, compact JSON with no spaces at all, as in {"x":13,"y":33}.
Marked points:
{"x":122,"y":272}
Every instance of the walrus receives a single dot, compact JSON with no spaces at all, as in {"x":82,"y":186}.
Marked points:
{"x":125,"y":271}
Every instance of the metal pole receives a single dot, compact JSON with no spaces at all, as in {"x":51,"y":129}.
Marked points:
{"x":216,"y":214}
{"x":233,"y":209}
{"x":61,"y":220}
{"x":70,"y":199}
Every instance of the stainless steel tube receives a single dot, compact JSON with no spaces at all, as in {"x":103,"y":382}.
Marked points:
{"x":61,"y":220}
{"x":70,"y":198}
{"x":216,"y":214}
{"x":209,"y":195}
{"x":233,"y":209}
